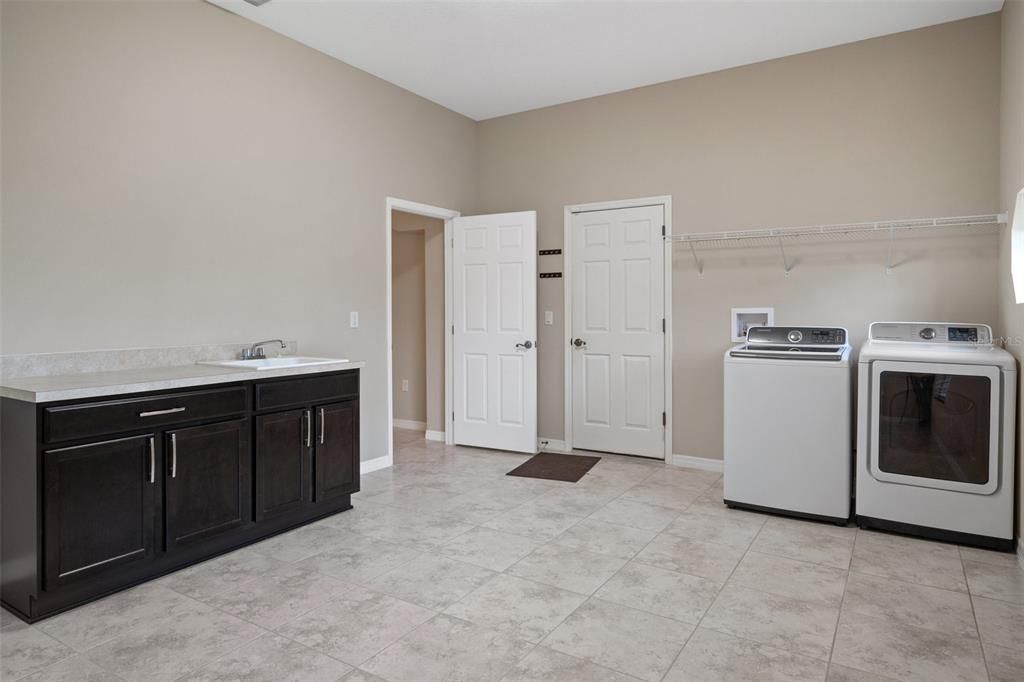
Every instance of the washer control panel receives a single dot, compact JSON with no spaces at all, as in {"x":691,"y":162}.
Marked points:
{"x":932,"y":332}
{"x":796,"y":336}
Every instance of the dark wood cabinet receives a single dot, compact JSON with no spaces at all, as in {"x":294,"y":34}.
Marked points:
{"x":336,"y":460}
{"x":284,"y":393}
{"x":100,"y":495}
{"x":282,"y":462}
{"x":99,"y":505}
{"x":93,"y":419}
{"x":207,"y":481}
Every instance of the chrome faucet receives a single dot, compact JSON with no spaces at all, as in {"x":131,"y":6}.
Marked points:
{"x":255,"y":351}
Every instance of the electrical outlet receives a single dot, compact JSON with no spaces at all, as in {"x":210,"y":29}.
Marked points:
{"x":405,"y":385}
{"x":353,"y":320}
{"x":549,"y":317}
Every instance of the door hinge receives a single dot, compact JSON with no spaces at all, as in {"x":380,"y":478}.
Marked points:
{"x":453,"y":329}
{"x":663,"y":325}
{"x":662,"y":230}
{"x":664,"y":419}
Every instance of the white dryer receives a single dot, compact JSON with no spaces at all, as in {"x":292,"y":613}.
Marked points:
{"x":935,"y":433}
{"x":788,"y":434}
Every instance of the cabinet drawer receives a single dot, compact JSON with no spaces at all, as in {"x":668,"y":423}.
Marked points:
{"x":117,"y":416}
{"x":307,"y":390}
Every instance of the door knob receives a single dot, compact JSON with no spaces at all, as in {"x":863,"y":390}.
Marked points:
{"x":579,"y":343}
{"x":527,"y":345}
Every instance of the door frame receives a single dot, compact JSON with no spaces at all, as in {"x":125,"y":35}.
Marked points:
{"x":666,"y":202}
{"x":416,"y":208}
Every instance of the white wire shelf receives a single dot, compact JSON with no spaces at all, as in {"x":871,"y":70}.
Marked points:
{"x":778,"y":236}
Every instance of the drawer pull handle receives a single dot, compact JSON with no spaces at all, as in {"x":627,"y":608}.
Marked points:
{"x":174,"y":455}
{"x":152,"y":460}
{"x":157,"y":413}
{"x":321,"y":426}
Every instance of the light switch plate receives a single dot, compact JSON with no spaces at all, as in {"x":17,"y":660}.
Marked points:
{"x":549,"y":317}
{"x":405,"y":385}
{"x":353,"y":320}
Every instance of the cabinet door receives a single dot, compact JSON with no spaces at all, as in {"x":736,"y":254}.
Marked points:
{"x":282,"y":462}
{"x":208,"y":481}
{"x":337,"y":450}
{"x":99,"y":507}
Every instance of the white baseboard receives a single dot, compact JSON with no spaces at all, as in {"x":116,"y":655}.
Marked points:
{"x":435,"y":435}
{"x":370,"y":465}
{"x":409,"y":424}
{"x":552,"y":445}
{"x":1020,"y":552}
{"x":704,"y":463}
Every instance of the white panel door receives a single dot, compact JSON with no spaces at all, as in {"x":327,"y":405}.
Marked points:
{"x":618,"y":340}
{"x":494,"y":266}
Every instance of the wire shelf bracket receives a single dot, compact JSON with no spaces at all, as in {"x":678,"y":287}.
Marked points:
{"x":779,"y":235}
{"x":697,"y":261}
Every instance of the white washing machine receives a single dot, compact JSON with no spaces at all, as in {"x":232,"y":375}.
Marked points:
{"x":935,"y":433}
{"x":788,"y":432}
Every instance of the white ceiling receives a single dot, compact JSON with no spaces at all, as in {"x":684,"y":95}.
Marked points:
{"x":486,"y":59}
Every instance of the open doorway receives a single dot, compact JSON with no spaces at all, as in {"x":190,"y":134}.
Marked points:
{"x":488,"y":361}
{"x":418,"y":294}
{"x":417,"y":314}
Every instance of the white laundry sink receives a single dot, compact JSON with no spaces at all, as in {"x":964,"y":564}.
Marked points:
{"x":273,"y":363}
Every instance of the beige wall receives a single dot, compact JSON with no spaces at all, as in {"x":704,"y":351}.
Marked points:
{"x":175,"y":174}
{"x":231,"y":187}
{"x":1011,"y":182}
{"x":408,"y":325}
{"x":900,"y":126}
{"x":432,"y":294}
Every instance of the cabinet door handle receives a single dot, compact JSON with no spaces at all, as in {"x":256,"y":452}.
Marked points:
{"x":157,"y":413}
{"x":152,"y":460}
{"x":309,"y":428}
{"x":174,"y":455}
{"x":321,"y":426}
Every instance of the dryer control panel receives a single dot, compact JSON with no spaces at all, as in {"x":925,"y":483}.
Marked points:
{"x":932,"y":332}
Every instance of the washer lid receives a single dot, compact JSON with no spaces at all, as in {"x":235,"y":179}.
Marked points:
{"x":794,"y":343}
{"x":806,"y":353}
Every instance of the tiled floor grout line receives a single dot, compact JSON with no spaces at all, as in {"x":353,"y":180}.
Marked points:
{"x":240,"y":645}
{"x":713,"y":601}
{"x":272,"y":632}
{"x":535,"y":645}
{"x":974,"y":614}
{"x":74,"y":652}
{"x":839,"y":612}
{"x":389,"y":644}
{"x":592,"y":595}
{"x":627,"y":562}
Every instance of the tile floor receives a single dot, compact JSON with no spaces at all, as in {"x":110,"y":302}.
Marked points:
{"x":449,"y":570}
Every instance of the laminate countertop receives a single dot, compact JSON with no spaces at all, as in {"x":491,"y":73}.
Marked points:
{"x":47,"y":389}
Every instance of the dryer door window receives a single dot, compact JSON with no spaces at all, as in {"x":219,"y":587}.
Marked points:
{"x":936,"y":428}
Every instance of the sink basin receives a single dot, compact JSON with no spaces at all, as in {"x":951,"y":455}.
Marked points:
{"x":273,"y":363}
